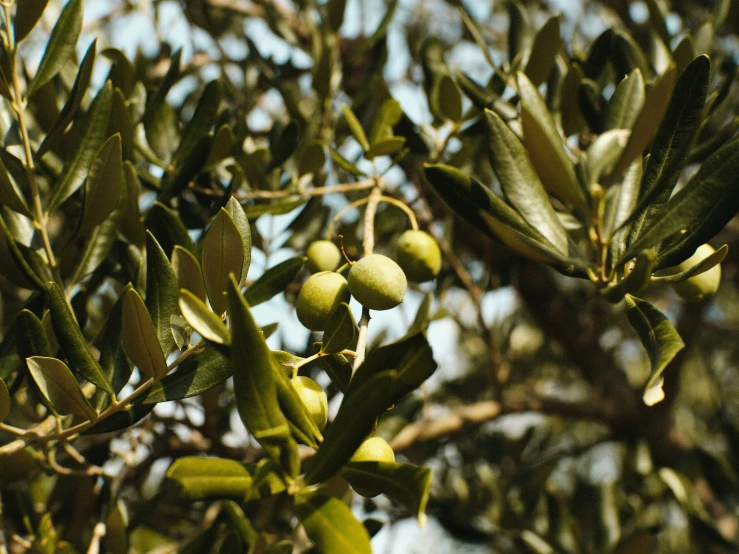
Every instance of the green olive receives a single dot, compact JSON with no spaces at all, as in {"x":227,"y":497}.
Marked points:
{"x":374,"y":449}
{"x":319,"y":297}
{"x":377,"y":282}
{"x":323,"y":255}
{"x":314,"y":399}
{"x":703,"y":285}
{"x":418,"y":255}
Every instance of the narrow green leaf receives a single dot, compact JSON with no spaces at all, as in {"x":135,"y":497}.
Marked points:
{"x":61,"y":45}
{"x":479,"y":207}
{"x":202,"y":319}
{"x":236,"y":211}
{"x":32,"y":338}
{"x":621,"y":200}
{"x":103,"y":185}
{"x":210,"y":478}
{"x":335,"y":14}
{"x":4,"y":401}
{"x":387,"y":117}
{"x":12,"y":266}
{"x":626,"y":55}
{"x":60,"y":387}
{"x":572,"y":119}
{"x":404,"y":483}
{"x":276,"y":207}
{"x":447,"y":98}
{"x":331,"y":526}
{"x":162,"y":293}
{"x":140,"y":339}
{"x":520,"y":34}
{"x":92,"y":134}
{"x":547,"y":44}
{"x":650,"y":116}
{"x":659,"y":338}
{"x":166,"y":225}
{"x":302,"y":425}
{"x":10,"y":195}
{"x":120,"y":420}
{"x":626,"y":102}
{"x":341,"y":330}
{"x":701,"y":208}
{"x":520,"y":183}
{"x":71,"y":341}
{"x":223,"y":145}
{"x":194,"y":376}
{"x":410,"y":357}
{"x":545,"y":146}
{"x":604,"y":153}
{"x":274,"y":281}
{"x":202,"y":120}
{"x":254,"y":383}
{"x":27,"y":14}
{"x":345,"y":164}
{"x":131,"y":224}
{"x":355,"y":127}
{"x":189,"y":274}
{"x":385,"y":147}
{"x":673,"y":141}
{"x":359,"y":410}
{"x":701,"y":267}
{"x":114,"y":363}
{"x":73,"y":103}
{"x":223,"y":254}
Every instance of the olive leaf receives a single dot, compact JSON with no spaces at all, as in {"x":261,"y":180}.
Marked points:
{"x":4,"y":401}
{"x":236,"y":211}
{"x":702,"y":207}
{"x":189,"y":274}
{"x":254,"y":383}
{"x":201,"y":122}
{"x":520,"y":183}
{"x":274,"y":280}
{"x":447,"y":98}
{"x":604,"y":153}
{"x":194,"y":376}
{"x":545,"y":146}
{"x":113,"y":360}
{"x":341,"y":330}
{"x":10,"y":195}
{"x":331,"y":526}
{"x":140,"y":339}
{"x":355,"y":127}
{"x":626,"y":102}
{"x":71,"y":341}
{"x":659,"y":338}
{"x":210,"y":478}
{"x":103,"y":185}
{"x":61,"y":45}
{"x":27,"y":14}
{"x":60,"y":387}
{"x":120,"y":420}
{"x":404,"y":483}
{"x":354,"y":421}
{"x":520,"y":34}
{"x":162,"y":293}
{"x":223,"y":254}
{"x":166,"y":225}
{"x":702,"y":266}
{"x":92,"y":135}
{"x":544,"y":50}
{"x":202,"y":319}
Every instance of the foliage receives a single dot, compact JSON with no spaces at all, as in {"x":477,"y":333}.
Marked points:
{"x":131,"y":213}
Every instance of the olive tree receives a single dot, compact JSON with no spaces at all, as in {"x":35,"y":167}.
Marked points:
{"x":146,"y":404}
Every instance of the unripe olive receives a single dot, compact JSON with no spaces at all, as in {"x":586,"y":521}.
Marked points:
{"x":314,"y":399}
{"x":374,"y":449}
{"x":418,"y":255}
{"x":319,"y":297}
{"x":703,"y":285}
{"x":323,"y":255}
{"x":377,"y":282}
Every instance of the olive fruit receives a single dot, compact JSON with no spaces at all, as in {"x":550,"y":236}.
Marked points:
{"x":703,"y":285}
{"x":377,"y":282}
{"x":418,"y":256}
{"x":319,"y":297}
{"x":313,"y":398}
{"x":374,"y":449}
{"x":323,"y":255}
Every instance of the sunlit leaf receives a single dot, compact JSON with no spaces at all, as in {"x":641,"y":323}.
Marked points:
{"x":162,"y":293}
{"x":331,"y":526}
{"x":202,"y":319}
{"x":189,"y":274}
{"x":60,"y":387}
{"x":209,"y":478}
{"x":140,"y":339}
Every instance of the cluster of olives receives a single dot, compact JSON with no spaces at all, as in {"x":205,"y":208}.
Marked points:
{"x":376,"y":281}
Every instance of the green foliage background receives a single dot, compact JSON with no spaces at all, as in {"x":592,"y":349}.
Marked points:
{"x":563,"y":162}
